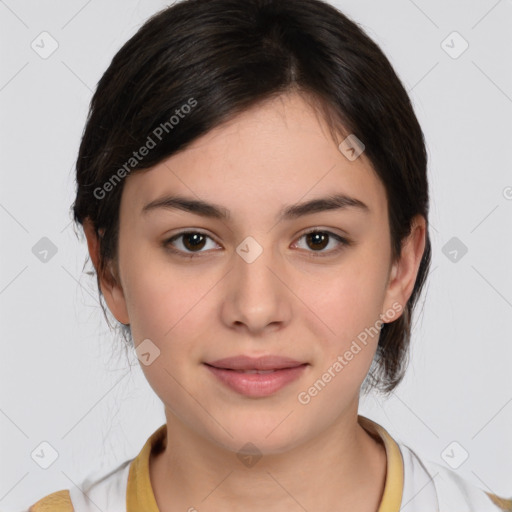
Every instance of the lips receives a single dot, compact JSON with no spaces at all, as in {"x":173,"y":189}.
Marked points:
{"x":256,"y":377}
{"x":264,"y":364}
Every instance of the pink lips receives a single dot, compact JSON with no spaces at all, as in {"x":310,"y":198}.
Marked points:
{"x":242,"y":373}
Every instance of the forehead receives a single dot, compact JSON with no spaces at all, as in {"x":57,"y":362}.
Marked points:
{"x":278,"y":153}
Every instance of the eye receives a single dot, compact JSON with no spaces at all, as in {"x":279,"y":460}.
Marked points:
{"x":193,"y":241}
{"x":319,"y":239}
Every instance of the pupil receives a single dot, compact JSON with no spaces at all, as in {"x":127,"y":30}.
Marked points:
{"x":318,"y":238}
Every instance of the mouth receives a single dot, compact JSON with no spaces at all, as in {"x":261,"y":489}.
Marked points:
{"x":256,"y":378}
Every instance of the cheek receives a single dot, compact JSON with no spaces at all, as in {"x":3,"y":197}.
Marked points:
{"x":344,"y":350}
{"x":347,"y":309}
{"x":168,"y":307}
{"x":170,"y":304}
{"x":160,"y":305}
{"x":152,"y":302}
{"x":351,"y":299}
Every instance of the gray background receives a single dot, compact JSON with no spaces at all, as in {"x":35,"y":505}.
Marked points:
{"x":63,"y":382}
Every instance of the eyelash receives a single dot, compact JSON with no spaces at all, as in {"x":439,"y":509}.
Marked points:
{"x":314,"y":254}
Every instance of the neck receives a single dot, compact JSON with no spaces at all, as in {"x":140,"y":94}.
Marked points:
{"x":343,"y":467}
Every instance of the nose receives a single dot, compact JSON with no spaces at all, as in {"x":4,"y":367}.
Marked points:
{"x":256,"y":297}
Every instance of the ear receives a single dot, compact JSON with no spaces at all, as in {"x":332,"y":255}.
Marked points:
{"x":403,"y":272}
{"x":109,"y":283}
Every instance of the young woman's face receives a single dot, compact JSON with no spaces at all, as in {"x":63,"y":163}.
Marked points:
{"x":254,"y":283}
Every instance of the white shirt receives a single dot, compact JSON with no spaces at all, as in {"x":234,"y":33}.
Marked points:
{"x":412,"y":485}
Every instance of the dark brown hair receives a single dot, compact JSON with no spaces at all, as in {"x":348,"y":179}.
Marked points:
{"x":222,"y":57}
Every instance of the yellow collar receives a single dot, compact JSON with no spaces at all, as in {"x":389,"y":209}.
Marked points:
{"x":394,"y":486}
{"x":139,"y":494}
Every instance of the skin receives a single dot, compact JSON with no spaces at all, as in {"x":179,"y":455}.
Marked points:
{"x":286,"y":302}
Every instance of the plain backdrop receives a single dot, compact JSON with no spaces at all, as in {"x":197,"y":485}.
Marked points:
{"x":62,"y":380}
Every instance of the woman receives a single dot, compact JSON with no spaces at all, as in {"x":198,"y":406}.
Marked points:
{"x":252,"y":183}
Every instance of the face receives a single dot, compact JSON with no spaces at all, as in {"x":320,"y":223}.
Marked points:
{"x":202,"y":288}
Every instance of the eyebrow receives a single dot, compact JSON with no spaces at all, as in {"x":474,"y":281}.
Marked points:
{"x":210,"y":210}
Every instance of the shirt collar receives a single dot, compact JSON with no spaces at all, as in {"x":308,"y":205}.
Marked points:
{"x":393,"y":488}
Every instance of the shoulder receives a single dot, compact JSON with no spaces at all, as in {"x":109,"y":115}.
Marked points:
{"x":107,"y":492}
{"x":426,"y":481}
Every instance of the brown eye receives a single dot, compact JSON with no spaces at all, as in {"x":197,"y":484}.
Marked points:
{"x":191,"y":242}
{"x":317,"y":240}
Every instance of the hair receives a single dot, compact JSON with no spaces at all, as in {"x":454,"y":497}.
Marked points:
{"x":222,"y":57}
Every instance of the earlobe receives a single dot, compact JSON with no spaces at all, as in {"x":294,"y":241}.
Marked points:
{"x":109,"y":282}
